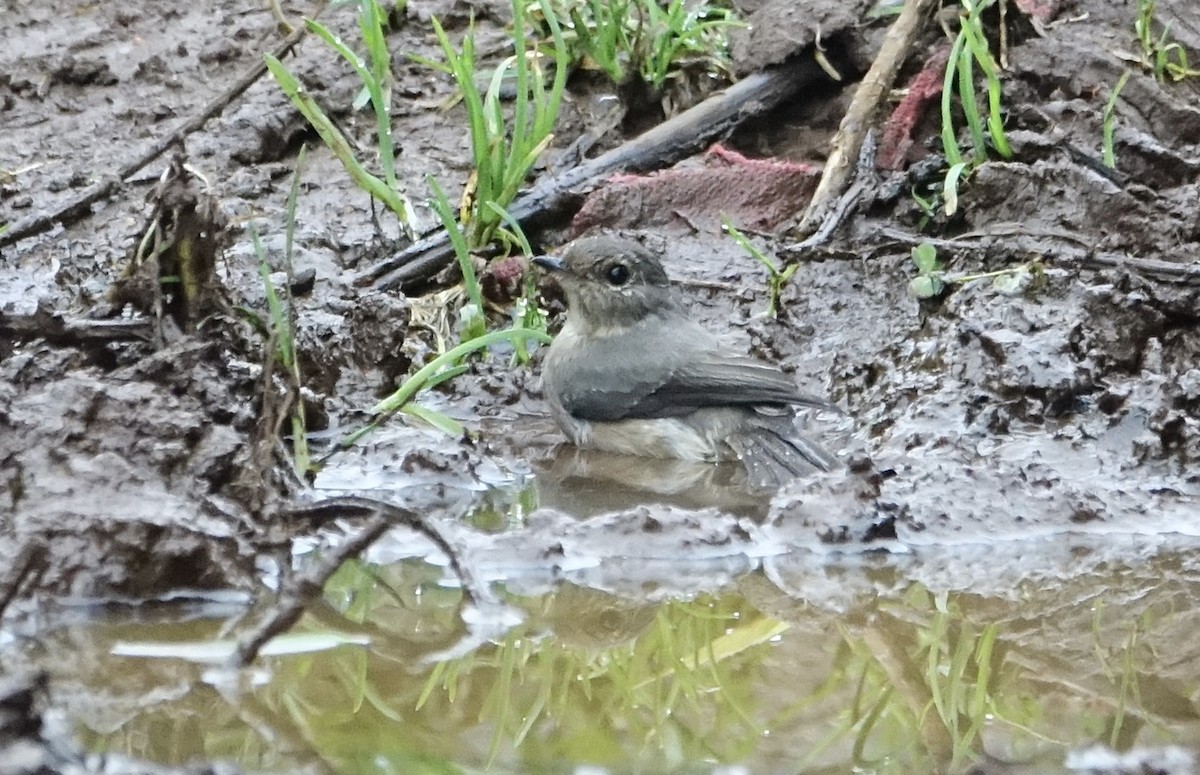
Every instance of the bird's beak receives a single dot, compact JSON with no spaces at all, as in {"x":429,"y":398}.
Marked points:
{"x":550,"y":263}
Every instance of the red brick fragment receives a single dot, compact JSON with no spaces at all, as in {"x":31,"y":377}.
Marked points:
{"x":898,"y":130}
{"x":755,"y":194}
{"x":1042,"y":10}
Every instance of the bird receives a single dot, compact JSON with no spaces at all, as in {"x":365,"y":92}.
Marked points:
{"x":632,"y":373}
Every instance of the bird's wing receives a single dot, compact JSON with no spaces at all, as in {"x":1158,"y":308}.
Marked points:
{"x":585,"y":399}
{"x":712,"y":382}
{"x":718,"y":380}
{"x":683,"y":369}
{"x":609,"y":378}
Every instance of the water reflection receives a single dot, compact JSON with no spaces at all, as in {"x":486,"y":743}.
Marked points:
{"x":586,"y":483}
{"x":878,"y":663}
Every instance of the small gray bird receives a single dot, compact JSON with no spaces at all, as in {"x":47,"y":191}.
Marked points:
{"x":631,"y":373}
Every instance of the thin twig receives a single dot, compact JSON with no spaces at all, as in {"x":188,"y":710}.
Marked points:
{"x":870,"y":95}
{"x":268,"y":432}
{"x":353,"y":505}
{"x":708,"y":285}
{"x":306,"y":588}
{"x":1049,"y":245}
{"x":1003,"y":34}
{"x":309,"y":586}
{"x":1184,"y":273}
{"x":80,"y":206}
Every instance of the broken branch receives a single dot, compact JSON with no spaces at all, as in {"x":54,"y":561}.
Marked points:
{"x":870,"y":95}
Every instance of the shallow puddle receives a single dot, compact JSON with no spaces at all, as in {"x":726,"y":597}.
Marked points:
{"x":1012,"y":653}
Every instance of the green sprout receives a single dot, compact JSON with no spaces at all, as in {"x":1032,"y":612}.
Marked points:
{"x":444,"y":367}
{"x":1110,"y":157}
{"x":647,"y":39}
{"x":529,"y":326}
{"x":928,"y":282}
{"x":777,"y":277}
{"x":282,"y":323}
{"x":932,"y":279}
{"x":677,"y":33}
{"x":472,"y":323}
{"x":604,"y":39}
{"x":970,"y":49}
{"x":526,"y":312}
{"x":376,"y":78}
{"x":1159,"y":54}
{"x":504,"y":152}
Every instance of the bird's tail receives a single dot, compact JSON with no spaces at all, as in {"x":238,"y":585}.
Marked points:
{"x":773,"y":458}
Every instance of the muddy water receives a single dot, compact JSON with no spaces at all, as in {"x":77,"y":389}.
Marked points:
{"x":1006,"y":575}
{"x":707,"y":644}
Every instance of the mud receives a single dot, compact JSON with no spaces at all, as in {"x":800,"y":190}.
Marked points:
{"x":994,"y":442}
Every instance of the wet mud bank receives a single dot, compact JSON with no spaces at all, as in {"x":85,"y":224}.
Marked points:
{"x":1036,"y":429}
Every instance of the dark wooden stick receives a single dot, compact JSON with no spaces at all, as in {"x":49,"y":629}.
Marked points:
{"x":80,"y":205}
{"x":1188,"y":273}
{"x":669,"y":142}
{"x":837,"y":212}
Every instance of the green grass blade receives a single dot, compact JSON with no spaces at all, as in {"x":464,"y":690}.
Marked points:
{"x":562,"y":64}
{"x":966,"y":98}
{"x":371,"y":24}
{"x":333,"y":138}
{"x":289,"y":207}
{"x":1109,"y":155}
{"x":517,"y":172}
{"x":520,"y":137}
{"x":444,"y":423}
{"x":462,"y":67}
{"x":442,"y":207}
{"x":419,"y":380}
{"x":300,"y":451}
{"x":950,"y":188}
{"x":977,"y":43}
{"x":949,"y":136}
{"x":514,"y":228}
{"x":279,"y":319}
{"x":433,"y":64}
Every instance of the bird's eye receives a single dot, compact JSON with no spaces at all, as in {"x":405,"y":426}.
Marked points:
{"x":618,"y":274}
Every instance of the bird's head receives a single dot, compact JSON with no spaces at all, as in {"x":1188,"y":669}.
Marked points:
{"x":611,"y":283}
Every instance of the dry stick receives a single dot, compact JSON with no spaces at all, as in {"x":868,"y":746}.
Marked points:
{"x":1003,"y":34}
{"x":870,"y":95}
{"x":673,"y":140}
{"x":80,"y":206}
{"x":309,"y":586}
{"x":1056,"y":243}
{"x":1184,"y":273}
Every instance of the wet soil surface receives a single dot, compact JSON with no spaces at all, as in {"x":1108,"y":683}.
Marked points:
{"x":1020,"y":480}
